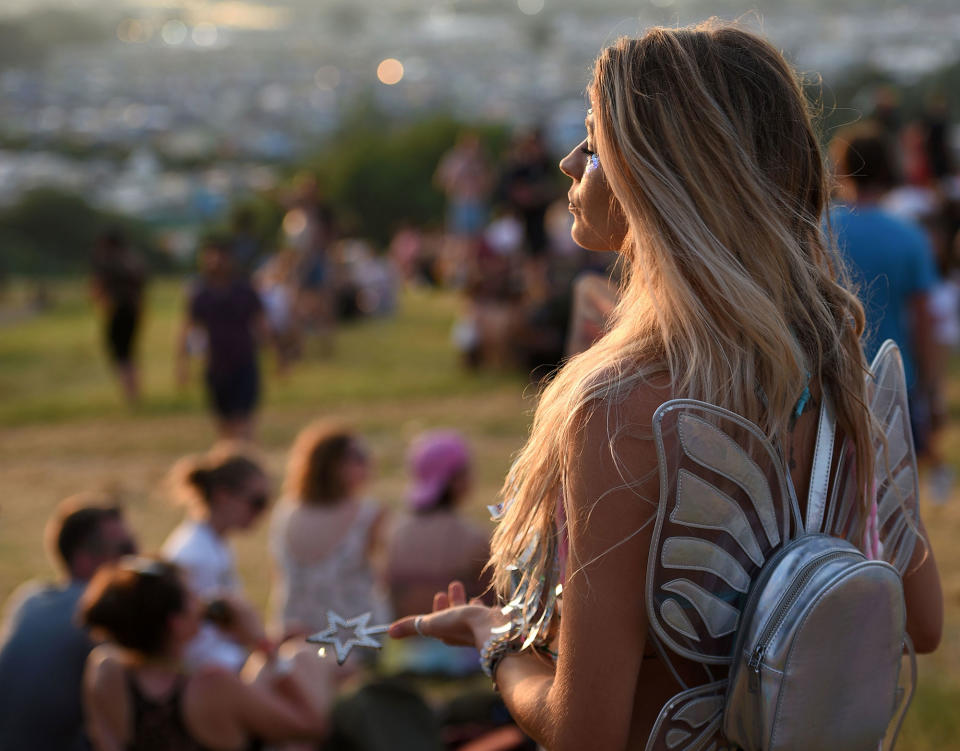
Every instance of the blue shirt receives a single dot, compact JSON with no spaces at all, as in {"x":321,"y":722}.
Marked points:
{"x":890,"y":261}
{"x":42,"y":655}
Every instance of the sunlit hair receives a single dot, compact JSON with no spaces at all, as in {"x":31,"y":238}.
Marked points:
{"x":705,"y":138}
{"x":227,"y":466}
{"x":315,"y":470}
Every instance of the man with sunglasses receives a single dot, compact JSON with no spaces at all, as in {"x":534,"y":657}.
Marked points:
{"x":42,"y":648}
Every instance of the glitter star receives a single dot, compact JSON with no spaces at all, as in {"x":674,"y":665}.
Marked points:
{"x":361,"y":637}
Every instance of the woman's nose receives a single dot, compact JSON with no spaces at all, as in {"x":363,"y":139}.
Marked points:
{"x":570,"y":165}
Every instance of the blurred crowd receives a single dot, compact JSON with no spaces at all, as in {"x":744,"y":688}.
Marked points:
{"x":165,"y":651}
{"x":896,"y":220}
{"x":505,"y":247}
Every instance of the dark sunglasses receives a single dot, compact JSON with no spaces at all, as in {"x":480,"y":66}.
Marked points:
{"x":259,"y":502}
{"x":127,"y":547}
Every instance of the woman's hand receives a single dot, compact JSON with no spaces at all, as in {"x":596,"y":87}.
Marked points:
{"x":454,"y":621}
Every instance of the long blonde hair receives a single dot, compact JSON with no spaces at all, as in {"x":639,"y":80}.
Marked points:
{"x":706,"y":140}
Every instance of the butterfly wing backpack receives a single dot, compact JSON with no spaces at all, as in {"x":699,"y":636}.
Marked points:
{"x":800,"y":634}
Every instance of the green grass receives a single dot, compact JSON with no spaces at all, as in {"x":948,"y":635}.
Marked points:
{"x":51,"y":367}
{"x":63,"y":428}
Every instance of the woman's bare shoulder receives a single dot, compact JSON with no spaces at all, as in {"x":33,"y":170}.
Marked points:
{"x":105,"y":668}
{"x":626,"y":411}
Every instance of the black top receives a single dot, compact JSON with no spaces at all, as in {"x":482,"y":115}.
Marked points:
{"x":158,"y":723}
{"x":121,"y":278}
{"x":228,"y":314}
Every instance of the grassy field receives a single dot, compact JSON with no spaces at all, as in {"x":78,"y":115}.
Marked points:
{"x":63,"y":429}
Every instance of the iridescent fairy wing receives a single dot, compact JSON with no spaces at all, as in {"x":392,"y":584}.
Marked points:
{"x":725,"y":506}
{"x":691,"y":721}
{"x":895,"y":472}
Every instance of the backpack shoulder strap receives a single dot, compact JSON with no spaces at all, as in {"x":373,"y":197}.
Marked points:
{"x":820,"y":470}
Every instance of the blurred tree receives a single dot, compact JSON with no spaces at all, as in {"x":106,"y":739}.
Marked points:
{"x":27,"y":40}
{"x":49,"y":231}
{"x":378,"y":176}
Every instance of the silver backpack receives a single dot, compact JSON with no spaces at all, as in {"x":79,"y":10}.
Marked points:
{"x":810,"y":631}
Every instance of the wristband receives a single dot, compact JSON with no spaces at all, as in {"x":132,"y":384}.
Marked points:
{"x":493,"y":651}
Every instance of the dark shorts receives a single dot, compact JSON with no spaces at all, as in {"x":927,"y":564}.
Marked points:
{"x":121,"y":333}
{"x":235,"y":393}
{"x":537,"y":243}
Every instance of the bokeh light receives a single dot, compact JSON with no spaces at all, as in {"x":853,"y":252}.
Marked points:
{"x":390,"y":71}
{"x":131,"y":30}
{"x":327,"y":77}
{"x":174,"y":32}
{"x":295,"y":222}
{"x":205,"y":34}
{"x":530,"y":7}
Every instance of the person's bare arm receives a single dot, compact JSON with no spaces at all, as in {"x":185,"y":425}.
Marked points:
{"x":587,"y":699}
{"x":104,"y":700}
{"x":273,"y":708}
{"x":604,"y":623}
{"x":182,"y":357}
{"x":924,"y":596}
{"x":378,"y":544}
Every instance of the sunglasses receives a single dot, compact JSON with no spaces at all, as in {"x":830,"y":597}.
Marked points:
{"x":259,"y":501}
{"x":125,"y":548}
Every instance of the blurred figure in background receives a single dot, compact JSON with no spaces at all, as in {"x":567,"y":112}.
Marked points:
{"x":226,"y":492}
{"x":245,"y":246}
{"x":325,"y":535}
{"x":528,"y":187}
{"x":42,"y":646}
{"x":433,"y":545}
{"x":277,"y":285}
{"x":310,"y":228}
{"x":118,"y":282}
{"x":595,"y":296}
{"x":227,"y":309}
{"x":465,"y":177}
{"x":892,"y":263}
{"x":140,"y":698}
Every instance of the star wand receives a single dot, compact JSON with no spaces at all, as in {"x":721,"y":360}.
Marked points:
{"x":358,"y":634}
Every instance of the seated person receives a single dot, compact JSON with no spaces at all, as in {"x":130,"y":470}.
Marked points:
{"x":226,"y":492}
{"x":325,"y":535}
{"x":139,"y":697}
{"x":42,"y":648}
{"x":434,"y":544}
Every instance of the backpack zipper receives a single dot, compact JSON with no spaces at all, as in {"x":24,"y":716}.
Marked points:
{"x":783,"y":608}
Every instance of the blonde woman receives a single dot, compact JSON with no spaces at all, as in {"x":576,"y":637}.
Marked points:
{"x":702,"y":168}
